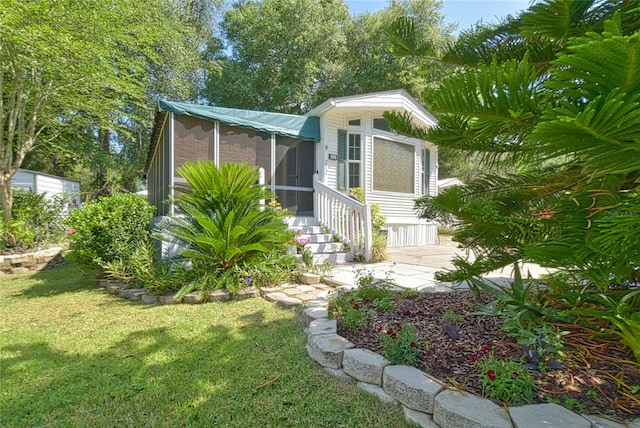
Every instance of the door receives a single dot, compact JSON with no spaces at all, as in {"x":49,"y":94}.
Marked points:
{"x":295,"y":166}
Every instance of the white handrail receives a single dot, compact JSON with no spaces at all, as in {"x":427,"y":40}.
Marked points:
{"x":344,"y":217}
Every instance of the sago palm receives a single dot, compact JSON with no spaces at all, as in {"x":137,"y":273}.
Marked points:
{"x":222,"y":226}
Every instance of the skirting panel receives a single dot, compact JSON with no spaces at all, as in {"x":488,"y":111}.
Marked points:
{"x":409,"y":235}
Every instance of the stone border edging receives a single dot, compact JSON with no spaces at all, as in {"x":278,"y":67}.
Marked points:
{"x":31,"y":262}
{"x":286,"y":295}
{"x":425,"y":400}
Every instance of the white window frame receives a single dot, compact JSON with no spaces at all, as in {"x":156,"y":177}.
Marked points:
{"x":353,"y":130}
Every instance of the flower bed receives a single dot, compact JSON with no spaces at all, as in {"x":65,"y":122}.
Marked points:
{"x":469,"y":351}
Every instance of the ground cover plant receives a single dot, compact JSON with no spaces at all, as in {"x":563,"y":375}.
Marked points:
{"x":73,"y":355}
{"x":598,"y":373}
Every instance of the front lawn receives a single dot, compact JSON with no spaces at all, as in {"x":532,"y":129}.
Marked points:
{"x":73,"y":355}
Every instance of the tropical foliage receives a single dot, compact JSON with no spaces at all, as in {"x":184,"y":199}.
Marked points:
{"x":550,"y":99}
{"x":222,"y":228}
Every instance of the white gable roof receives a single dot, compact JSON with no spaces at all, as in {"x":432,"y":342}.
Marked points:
{"x":388,"y":100}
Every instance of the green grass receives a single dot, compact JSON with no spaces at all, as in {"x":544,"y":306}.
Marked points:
{"x":73,"y":355}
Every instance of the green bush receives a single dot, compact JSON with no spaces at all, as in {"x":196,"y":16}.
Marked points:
{"x":109,"y":228}
{"x":223,"y":228}
{"x":16,"y":235}
{"x":36,"y":221}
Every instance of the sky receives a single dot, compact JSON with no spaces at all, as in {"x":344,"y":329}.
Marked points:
{"x":465,"y":12}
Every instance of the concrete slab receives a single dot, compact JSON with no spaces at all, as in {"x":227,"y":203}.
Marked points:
{"x":415,"y":268}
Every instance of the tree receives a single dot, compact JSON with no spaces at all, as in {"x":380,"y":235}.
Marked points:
{"x":291,"y":55}
{"x":81,"y":67}
{"x":369,"y":65}
{"x":551,"y":98}
{"x":280,"y":52}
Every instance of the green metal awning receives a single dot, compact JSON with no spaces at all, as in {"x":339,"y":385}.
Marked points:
{"x":287,"y":125}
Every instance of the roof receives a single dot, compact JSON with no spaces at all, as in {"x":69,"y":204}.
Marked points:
{"x":287,"y":125}
{"x":388,"y":100}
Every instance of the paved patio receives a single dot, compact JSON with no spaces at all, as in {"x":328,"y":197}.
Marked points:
{"x":415,"y":268}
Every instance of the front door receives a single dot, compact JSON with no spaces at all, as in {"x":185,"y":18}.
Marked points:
{"x":295,"y":166}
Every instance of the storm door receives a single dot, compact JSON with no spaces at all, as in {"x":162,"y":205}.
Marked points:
{"x":295,"y":166}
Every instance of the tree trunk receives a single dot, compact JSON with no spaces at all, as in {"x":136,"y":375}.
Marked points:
{"x":103,"y":141}
{"x":6,"y":196}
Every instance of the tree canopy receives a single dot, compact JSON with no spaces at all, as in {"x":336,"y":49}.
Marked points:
{"x":290,"y":55}
{"x":71,"y":69}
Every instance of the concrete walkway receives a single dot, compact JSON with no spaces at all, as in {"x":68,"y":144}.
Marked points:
{"x":415,"y":268}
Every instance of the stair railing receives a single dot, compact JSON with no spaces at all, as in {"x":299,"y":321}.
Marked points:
{"x":344,"y":217}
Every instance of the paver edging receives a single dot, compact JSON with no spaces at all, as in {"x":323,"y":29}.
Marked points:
{"x":426,"y":419}
{"x":31,"y":262}
{"x":121,"y":289}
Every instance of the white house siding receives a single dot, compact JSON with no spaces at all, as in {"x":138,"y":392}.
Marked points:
{"x":49,"y":185}
{"x":403,"y":226}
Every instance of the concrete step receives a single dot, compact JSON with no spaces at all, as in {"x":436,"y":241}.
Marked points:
{"x":333,"y":258}
{"x":298,"y":222}
{"x":309,"y":230}
{"x":318,"y":238}
{"x":325,"y":247}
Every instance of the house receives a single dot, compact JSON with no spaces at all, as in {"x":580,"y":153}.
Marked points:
{"x":311,"y":161}
{"x":447,"y":183}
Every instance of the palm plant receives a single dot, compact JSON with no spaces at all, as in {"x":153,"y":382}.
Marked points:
{"x":222,"y":227}
{"x":551,"y":100}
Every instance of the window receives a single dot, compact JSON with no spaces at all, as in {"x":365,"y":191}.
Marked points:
{"x":426,"y":156}
{"x":381,"y":123}
{"x":354,"y":122}
{"x":393,"y":166}
{"x":355,"y":148}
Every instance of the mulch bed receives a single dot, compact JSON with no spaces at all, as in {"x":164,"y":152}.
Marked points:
{"x":587,"y":382}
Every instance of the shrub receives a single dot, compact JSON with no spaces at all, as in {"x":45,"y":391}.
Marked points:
{"x":348,"y":310}
{"x":36,"y":221}
{"x":110,"y":228}
{"x":274,"y":270}
{"x":379,"y":251}
{"x":508,"y":381}
{"x":144,"y":268}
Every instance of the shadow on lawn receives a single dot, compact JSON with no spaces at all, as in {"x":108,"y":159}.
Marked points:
{"x":173,"y":376}
{"x":70,"y":277}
